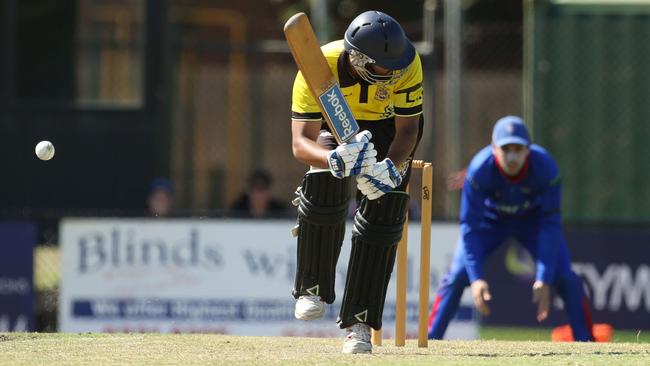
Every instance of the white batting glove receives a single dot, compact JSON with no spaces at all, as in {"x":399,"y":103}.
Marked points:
{"x":381,"y":178}
{"x":354,"y":157}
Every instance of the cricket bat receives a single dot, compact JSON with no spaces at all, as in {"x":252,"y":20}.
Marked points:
{"x":322,"y":83}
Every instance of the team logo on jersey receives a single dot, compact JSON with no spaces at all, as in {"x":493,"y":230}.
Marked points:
{"x":381,"y":94}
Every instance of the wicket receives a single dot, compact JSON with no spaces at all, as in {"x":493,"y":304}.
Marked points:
{"x":425,"y":253}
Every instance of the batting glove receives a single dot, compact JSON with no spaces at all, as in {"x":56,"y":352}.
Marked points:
{"x":352,"y":158}
{"x":380,"y":178}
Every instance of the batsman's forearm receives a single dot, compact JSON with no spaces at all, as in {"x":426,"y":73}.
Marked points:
{"x":309,"y":152}
{"x":406,"y":137}
{"x":402,"y":146}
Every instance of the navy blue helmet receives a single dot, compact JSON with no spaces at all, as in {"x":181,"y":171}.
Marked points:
{"x":374,"y":37}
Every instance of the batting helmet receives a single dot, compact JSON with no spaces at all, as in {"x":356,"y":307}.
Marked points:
{"x":374,"y":37}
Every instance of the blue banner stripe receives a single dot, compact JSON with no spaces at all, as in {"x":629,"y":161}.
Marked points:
{"x":215,"y":310}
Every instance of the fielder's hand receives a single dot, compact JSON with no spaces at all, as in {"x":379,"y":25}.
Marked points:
{"x":481,"y":295}
{"x":354,"y":157}
{"x":379,"y":179}
{"x":542,"y":296}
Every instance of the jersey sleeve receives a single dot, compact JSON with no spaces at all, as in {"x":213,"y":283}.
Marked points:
{"x":471,"y":213}
{"x":550,"y":234}
{"x":303,"y":104}
{"x":408,"y":91}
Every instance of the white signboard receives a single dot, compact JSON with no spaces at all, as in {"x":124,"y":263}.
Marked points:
{"x":211,"y":276}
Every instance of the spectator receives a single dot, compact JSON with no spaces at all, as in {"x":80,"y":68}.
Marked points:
{"x":257,"y":201}
{"x":160,"y":200}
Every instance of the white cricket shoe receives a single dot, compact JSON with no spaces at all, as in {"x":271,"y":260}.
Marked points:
{"x":309,"y":308}
{"x":358,"y":339}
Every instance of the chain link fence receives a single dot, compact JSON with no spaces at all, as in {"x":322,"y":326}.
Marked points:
{"x":230,"y":78}
{"x":221,"y":132}
{"x":588,"y":102}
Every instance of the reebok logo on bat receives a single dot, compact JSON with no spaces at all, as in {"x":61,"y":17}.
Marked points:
{"x":334,"y":101}
{"x":339,"y":113}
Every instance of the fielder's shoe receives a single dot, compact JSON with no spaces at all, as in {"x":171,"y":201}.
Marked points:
{"x":358,"y":339}
{"x":309,"y":308}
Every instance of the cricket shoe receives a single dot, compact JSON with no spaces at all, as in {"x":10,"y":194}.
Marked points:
{"x":358,"y":339}
{"x":309,"y":308}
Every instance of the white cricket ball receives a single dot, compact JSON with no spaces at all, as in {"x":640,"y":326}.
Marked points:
{"x":44,"y":150}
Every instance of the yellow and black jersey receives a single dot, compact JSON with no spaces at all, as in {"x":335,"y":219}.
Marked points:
{"x":367,"y":102}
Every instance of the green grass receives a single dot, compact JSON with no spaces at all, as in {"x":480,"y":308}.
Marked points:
{"x":544,"y":334}
{"x":194,"y":349}
{"x":515,"y":333}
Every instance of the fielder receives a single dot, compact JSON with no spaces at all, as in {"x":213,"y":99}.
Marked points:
{"x":380,"y":75}
{"x":512,"y":189}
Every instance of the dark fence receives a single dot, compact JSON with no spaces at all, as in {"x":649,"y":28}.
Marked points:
{"x":588,"y":102}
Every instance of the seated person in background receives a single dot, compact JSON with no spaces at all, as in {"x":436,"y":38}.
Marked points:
{"x":256,"y":201}
{"x":160,"y":200}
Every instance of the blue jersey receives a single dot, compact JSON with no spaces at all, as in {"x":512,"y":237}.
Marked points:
{"x":491,"y":199}
{"x":496,"y":207}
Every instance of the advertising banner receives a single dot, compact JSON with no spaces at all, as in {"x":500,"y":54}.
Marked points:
{"x":17,"y":240}
{"x":613,"y":263}
{"x":220,"y":276}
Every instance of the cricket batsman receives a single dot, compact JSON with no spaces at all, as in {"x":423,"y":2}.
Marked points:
{"x":380,"y":75}
{"x":512,"y":190}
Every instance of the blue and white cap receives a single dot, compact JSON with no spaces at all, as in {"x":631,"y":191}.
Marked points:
{"x":510,"y":130}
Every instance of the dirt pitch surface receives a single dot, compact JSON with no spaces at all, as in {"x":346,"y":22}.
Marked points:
{"x":194,"y":349}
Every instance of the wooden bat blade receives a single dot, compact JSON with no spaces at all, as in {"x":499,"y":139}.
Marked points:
{"x":307,"y":53}
{"x":323,"y":85}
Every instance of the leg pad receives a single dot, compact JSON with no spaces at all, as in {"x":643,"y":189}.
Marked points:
{"x":378,"y":227}
{"x":322,"y":211}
